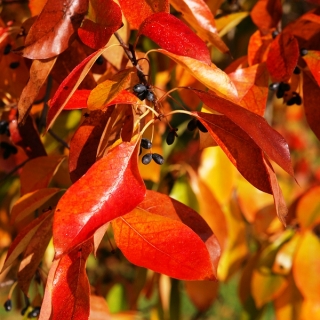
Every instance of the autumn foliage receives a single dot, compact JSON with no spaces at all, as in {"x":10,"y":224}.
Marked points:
{"x":146,"y":142}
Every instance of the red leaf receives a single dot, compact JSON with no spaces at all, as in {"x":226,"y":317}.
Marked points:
{"x":283,"y":57}
{"x":23,"y":238}
{"x":142,"y":10}
{"x":110,"y":188}
{"x":174,"y":36}
{"x":311,"y":93}
{"x":313,"y":61}
{"x":252,"y":87}
{"x":37,"y":173}
{"x":107,"y":19}
{"x":266,"y":14}
{"x":54,"y":28}
{"x":199,"y":16}
{"x":166,"y":236}
{"x":258,"y":48}
{"x":85,"y":142}
{"x":268,"y":139}
{"x":242,"y":151}
{"x":71,"y":289}
{"x":70,"y":85}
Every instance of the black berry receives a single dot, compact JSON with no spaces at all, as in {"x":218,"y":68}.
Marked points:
{"x":3,"y":126}
{"x":7,"y":49}
{"x":295,"y":99}
{"x":150,"y":96}
{"x":100,"y":61}
{"x":283,"y":87}
{"x":303,"y":52}
{"x":146,"y":143}
{"x":201,"y":127}
{"x":297,"y":70}
{"x":146,"y":159}
{"x":274,"y":86}
{"x":14,"y":65}
{"x":170,"y":138}
{"x":157,"y":158}
{"x":34,"y":313}
{"x":275,"y":33}
{"x":192,"y":125}
{"x":8,"y":305}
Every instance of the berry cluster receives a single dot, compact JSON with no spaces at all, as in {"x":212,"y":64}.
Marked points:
{"x":143,"y":91}
{"x":281,"y":88}
{"x":146,"y":159}
{"x":34,"y":313}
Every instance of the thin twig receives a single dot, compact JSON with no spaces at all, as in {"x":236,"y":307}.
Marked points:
{"x":58,"y":139}
{"x":14,"y":170}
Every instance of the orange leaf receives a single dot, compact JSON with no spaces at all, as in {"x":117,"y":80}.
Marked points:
{"x":54,"y":28}
{"x":172,"y":35}
{"x":71,"y":289}
{"x":39,"y":72}
{"x":258,"y":49}
{"x":142,"y":10}
{"x":168,"y":237}
{"x":200,"y":17}
{"x":118,"y":189}
{"x":29,"y":202}
{"x":311,"y":92}
{"x":37,"y":173}
{"x":252,"y":87}
{"x":106,"y":91}
{"x":306,"y":266}
{"x":266,"y":14}
{"x":211,"y":76}
{"x":98,"y":308}
{"x":22,"y":240}
{"x":283,"y":57}
{"x":313,"y":61}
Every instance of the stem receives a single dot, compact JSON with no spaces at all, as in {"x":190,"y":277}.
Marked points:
{"x":58,"y":139}
{"x":14,"y":170}
{"x":11,"y":289}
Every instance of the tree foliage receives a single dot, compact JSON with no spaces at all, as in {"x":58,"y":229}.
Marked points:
{"x":126,"y":145}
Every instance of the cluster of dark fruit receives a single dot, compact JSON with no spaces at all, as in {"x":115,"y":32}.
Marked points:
{"x":143,"y":91}
{"x":8,"y":149}
{"x":146,"y":159}
{"x":34,"y":313}
{"x":281,"y":89}
{"x":4,"y":128}
{"x":195,"y":123}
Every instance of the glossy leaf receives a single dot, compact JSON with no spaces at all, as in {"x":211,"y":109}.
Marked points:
{"x":308,"y":208}
{"x":29,"y":202}
{"x":39,"y":72}
{"x":199,"y":16}
{"x":34,"y":253}
{"x":69,"y":85}
{"x":104,"y":19}
{"x":45,"y":38}
{"x":240,"y":149}
{"x":266,"y":14}
{"x":283,"y":57}
{"x":22,"y":240}
{"x":166,"y":236}
{"x":118,"y":188}
{"x":173,"y":35}
{"x":258,"y":49}
{"x":311,"y":93}
{"x":71,"y":288}
{"x":107,"y":91}
{"x":211,"y":76}
{"x":227,"y":22}
{"x":252,"y":87}
{"x":142,"y":10}
{"x":85,"y":142}
{"x":313,"y":61}
{"x":269,"y":140}
{"x":37,"y":173}
{"x":306,"y":266}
